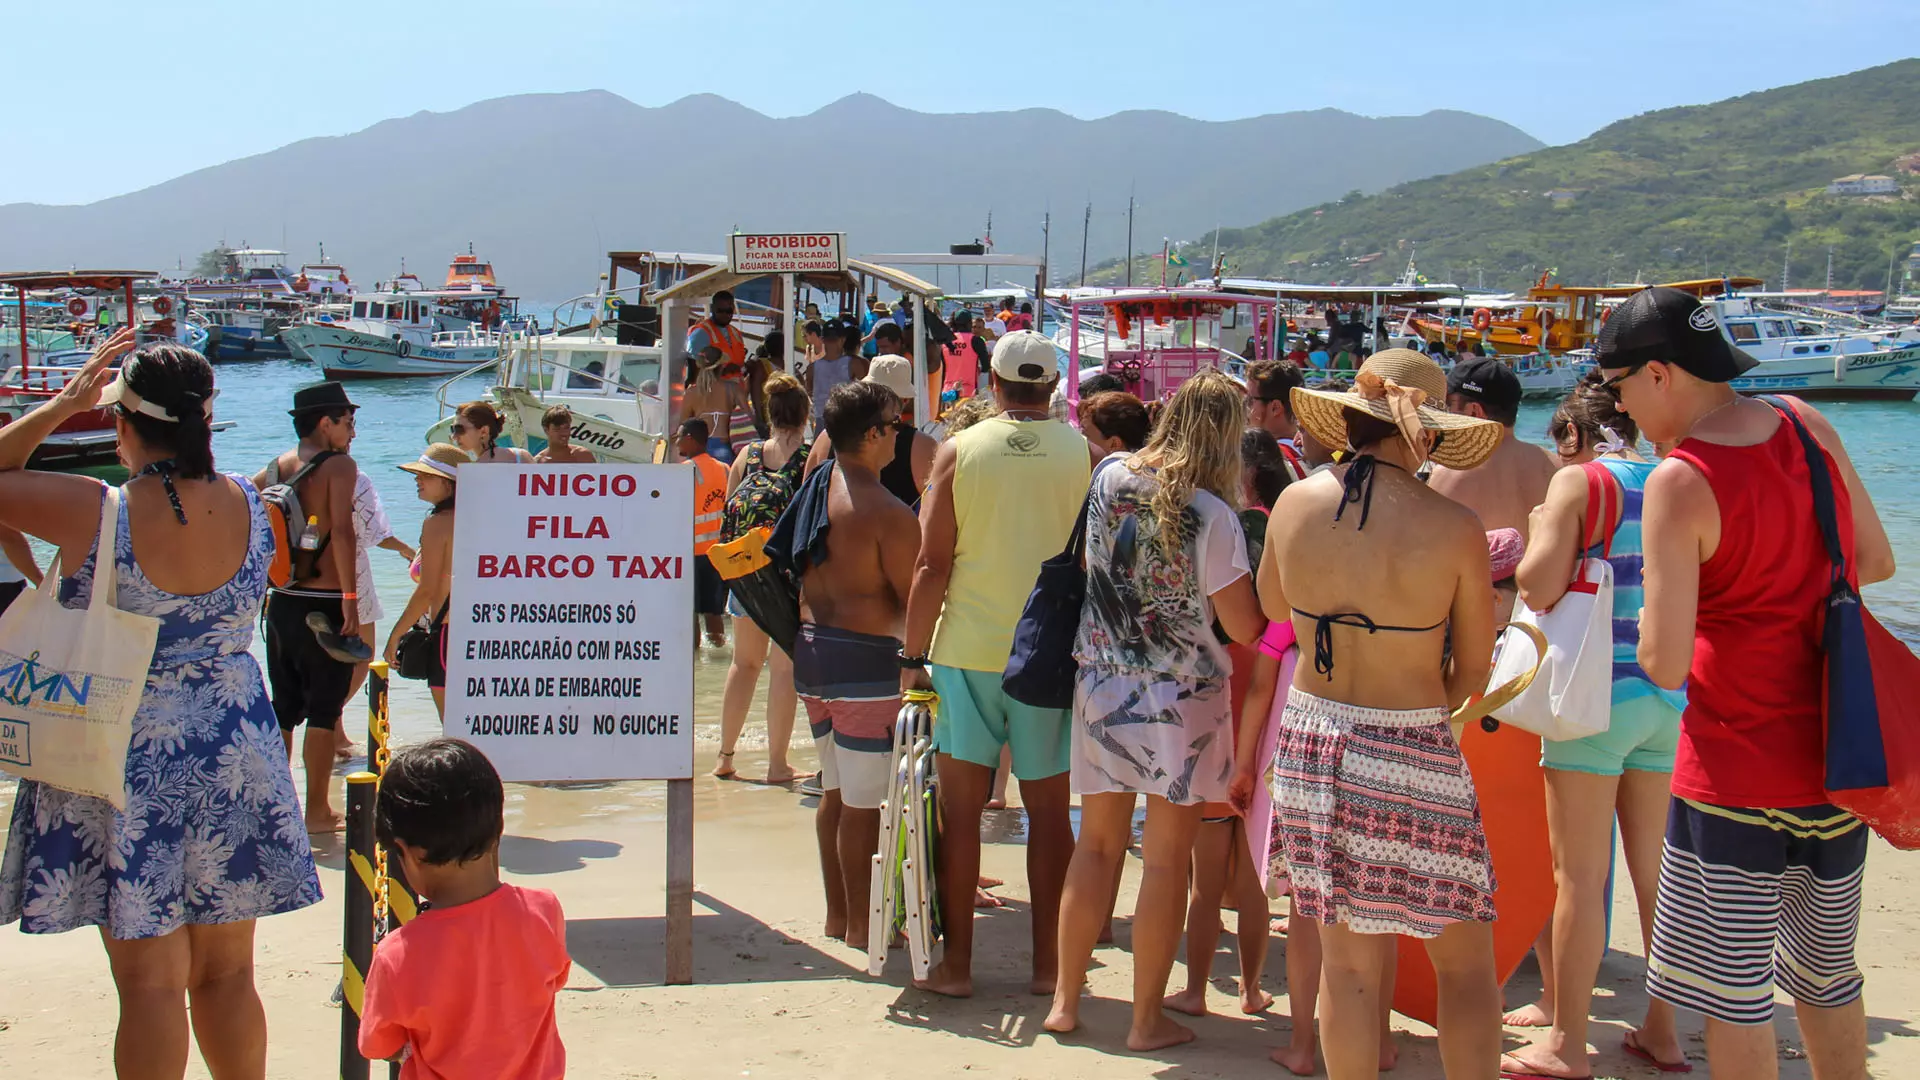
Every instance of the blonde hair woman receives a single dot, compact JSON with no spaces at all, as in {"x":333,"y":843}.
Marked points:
{"x":1152,"y":713}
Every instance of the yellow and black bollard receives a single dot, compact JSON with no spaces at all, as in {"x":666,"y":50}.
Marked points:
{"x":361,"y":889}
{"x":395,"y":905}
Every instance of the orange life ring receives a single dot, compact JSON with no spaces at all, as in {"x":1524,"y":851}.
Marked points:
{"x":162,"y":306}
{"x":1546,"y":320}
{"x":1482,"y":320}
{"x":76,"y":307}
{"x":1605,"y":314}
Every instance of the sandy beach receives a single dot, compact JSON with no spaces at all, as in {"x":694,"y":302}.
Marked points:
{"x":774,"y":998}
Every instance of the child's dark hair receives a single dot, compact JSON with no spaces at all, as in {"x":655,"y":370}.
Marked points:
{"x":557,"y":416}
{"x":1266,"y":468}
{"x":181,"y":381}
{"x":443,"y":797}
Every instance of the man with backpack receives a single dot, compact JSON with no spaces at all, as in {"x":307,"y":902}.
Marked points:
{"x":308,"y":493}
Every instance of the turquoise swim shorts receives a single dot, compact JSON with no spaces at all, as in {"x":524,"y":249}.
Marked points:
{"x":1642,"y":734}
{"x":976,"y":718}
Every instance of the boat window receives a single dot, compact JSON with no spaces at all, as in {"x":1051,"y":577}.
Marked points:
{"x":587,"y":370}
{"x":1743,"y":332}
{"x":1823,"y":348}
{"x":1799,"y":350}
{"x":1776,"y":328}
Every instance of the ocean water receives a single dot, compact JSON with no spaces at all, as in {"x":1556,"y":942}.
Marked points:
{"x":394,"y":415}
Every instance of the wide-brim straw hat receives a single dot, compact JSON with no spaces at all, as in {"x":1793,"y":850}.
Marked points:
{"x":1467,"y":441}
{"x":441,"y":461}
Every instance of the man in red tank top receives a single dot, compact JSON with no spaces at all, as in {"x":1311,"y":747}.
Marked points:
{"x":1761,"y":877}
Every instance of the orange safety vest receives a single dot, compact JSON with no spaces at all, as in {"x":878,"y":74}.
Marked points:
{"x":729,"y":342}
{"x":709,"y":501}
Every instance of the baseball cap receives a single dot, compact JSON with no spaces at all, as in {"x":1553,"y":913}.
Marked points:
{"x":1026,"y":356}
{"x":1486,"y":380}
{"x":1673,"y":327}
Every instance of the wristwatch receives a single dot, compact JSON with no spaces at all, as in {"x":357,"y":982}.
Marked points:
{"x":917,"y":663}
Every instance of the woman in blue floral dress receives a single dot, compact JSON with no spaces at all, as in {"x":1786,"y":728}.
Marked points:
{"x":212,"y":837}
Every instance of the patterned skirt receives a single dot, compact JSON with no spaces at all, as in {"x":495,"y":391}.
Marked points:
{"x":1376,"y":819}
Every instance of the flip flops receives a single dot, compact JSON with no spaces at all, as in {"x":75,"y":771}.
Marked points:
{"x":347,"y":650}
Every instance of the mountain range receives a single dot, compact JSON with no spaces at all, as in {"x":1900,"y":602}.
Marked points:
{"x":544,"y":184}
{"x":1736,"y":187}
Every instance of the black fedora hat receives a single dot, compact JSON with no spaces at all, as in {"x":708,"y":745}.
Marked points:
{"x":327,"y":396}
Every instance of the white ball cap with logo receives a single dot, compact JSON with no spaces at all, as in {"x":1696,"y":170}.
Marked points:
{"x":1026,"y":356}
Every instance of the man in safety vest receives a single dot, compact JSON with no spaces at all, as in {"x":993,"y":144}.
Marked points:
{"x":717,"y":330}
{"x":709,"y":500}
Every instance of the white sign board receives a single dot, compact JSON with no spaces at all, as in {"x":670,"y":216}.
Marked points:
{"x":787,"y":253}
{"x":570,"y":637}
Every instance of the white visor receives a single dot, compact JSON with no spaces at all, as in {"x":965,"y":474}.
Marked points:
{"x":119,"y":393}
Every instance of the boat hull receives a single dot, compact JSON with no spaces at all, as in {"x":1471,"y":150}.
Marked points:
{"x":350,"y":354}
{"x":1888,"y":375}
{"x":226,"y":344}
{"x":616,"y":430}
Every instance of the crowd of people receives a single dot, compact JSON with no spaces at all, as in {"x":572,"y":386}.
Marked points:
{"x":1356,"y":537}
{"x":1390,"y":529}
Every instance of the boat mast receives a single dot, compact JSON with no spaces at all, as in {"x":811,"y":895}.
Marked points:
{"x":1086,"y":225}
{"x":1130,"y":238}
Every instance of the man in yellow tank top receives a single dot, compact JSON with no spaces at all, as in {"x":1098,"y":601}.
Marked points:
{"x":1002,"y":499}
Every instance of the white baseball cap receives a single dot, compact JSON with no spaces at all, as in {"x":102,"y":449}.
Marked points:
{"x":1026,"y":356}
{"x":893,"y":373}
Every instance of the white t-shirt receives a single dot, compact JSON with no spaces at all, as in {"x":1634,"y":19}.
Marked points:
{"x":370,"y":527}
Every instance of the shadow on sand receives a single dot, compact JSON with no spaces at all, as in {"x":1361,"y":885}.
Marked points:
{"x":729,"y":947}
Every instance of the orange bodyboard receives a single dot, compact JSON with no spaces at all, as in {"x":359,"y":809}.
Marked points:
{"x":1513,"y":807}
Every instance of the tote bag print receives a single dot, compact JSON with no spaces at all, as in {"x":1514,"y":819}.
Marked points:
{"x":70,"y":681}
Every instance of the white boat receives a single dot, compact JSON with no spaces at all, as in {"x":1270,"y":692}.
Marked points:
{"x":1822,"y":355}
{"x":613,"y":391}
{"x":389,"y":335}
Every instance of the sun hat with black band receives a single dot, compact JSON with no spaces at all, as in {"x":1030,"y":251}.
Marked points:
{"x":893,"y":373}
{"x":1672,"y":327}
{"x":441,"y":461}
{"x":1026,"y":356}
{"x":120,"y":392}
{"x":1395,"y":385}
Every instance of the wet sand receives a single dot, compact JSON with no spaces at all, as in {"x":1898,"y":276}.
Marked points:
{"x":774,"y":998}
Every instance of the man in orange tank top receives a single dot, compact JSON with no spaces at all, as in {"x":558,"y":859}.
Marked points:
{"x":1761,"y":879}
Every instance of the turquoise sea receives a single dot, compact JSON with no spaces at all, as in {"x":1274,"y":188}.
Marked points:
{"x":394,"y":415}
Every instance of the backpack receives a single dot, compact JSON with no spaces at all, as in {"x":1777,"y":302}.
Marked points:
{"x":286,"y":517}
{"x":763,"y":493}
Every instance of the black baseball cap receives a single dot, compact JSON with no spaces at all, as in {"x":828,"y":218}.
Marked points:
{"x":1486,"y":380}
{"x":1673,"y":327}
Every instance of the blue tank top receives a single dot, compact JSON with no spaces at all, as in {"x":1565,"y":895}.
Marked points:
{"x":1627,"y":560}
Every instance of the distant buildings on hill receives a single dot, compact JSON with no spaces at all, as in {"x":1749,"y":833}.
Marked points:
{"x":1859,"y":184}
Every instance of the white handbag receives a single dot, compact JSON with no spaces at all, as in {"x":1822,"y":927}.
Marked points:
{"x":1571,"y":697}
{"x":71,"y":681}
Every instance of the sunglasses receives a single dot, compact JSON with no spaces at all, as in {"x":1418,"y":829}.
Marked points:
{"x":459,"y":429}
{"x":1611,"y":387}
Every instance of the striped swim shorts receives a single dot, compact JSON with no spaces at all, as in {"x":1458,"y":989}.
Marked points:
{"x":1751,"y":897}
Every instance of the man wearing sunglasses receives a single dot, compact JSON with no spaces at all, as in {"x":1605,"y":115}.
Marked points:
{"x":311,"y":685}
{"x":1761,"y":877}
{"x":1270,"y":408}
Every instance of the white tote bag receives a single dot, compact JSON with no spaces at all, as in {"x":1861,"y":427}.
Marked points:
{"x":70,"y":681}
{"x":1572,"y":695}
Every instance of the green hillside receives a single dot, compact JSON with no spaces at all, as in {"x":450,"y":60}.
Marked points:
{"x":1687,"y":192}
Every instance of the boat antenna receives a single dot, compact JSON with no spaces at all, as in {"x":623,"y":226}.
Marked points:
{"x":1129,"y":237}
{"x":1086,"y":226}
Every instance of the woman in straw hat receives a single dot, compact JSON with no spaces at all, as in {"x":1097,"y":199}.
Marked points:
{"x":434,"y":475}
{"x":1152,"y":711}
{"x":1378,"y":826}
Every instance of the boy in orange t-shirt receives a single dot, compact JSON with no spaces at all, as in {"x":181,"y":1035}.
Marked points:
{"x":466,"y":989}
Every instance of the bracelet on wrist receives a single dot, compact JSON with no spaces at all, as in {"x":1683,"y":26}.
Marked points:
{"x":912,"y":663}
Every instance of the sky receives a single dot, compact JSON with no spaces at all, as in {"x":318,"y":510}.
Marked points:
{"x":196,"y":83}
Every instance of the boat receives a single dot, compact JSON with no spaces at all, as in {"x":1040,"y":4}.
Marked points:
{"x":613,"y":390}
{"x":468,"y":274}
{"x":394,"y":335}
{"x":1821,"y":355}
{"x":248,"y":327}
{"x":89,"y":437}
{"x":323,"y":281}
{"x":1155,"y":339}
